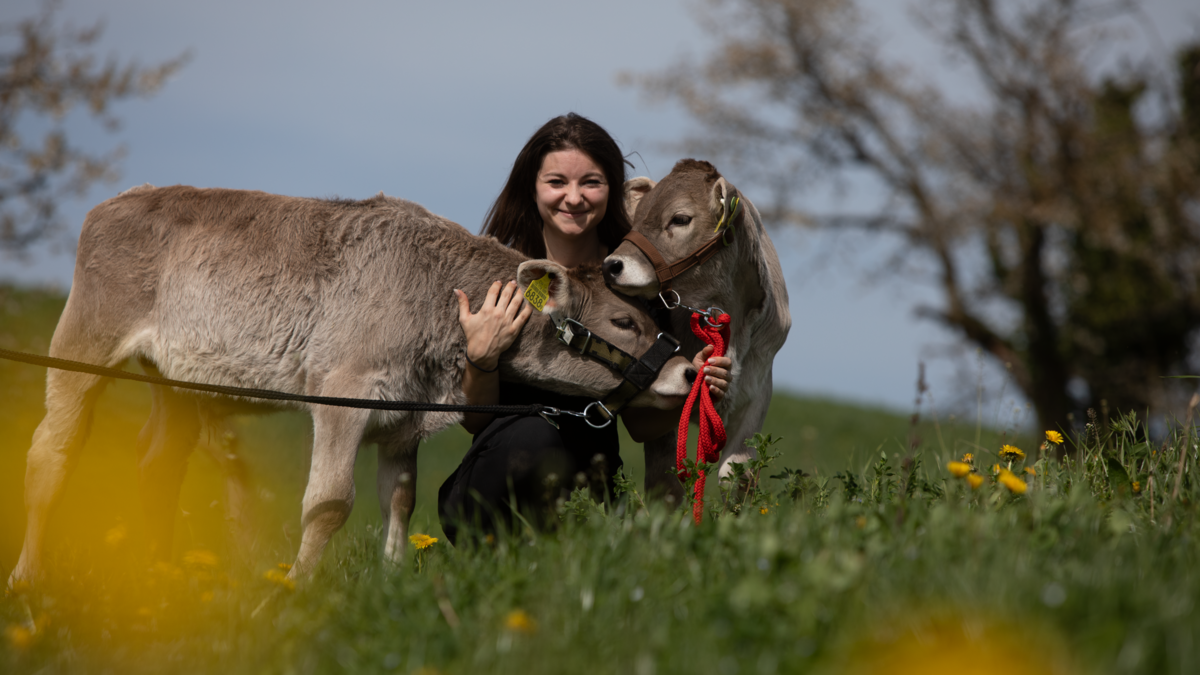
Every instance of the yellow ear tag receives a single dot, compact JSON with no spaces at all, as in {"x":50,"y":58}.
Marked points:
{"x":538,"y":292}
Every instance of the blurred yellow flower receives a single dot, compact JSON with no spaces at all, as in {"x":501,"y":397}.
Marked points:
{"x":1031,"y":471}
{"x":519,"y":621}
{"x":1014,"y":484}
{"x":1137,"y":486}
{"x":1054,"y":437}
{"x":968,"y":458}
{"x":116,"y":535}
{"x":974,"y":480}
{"x":995,"y":468}
{"x":959,"y":469}
{"x":280,"y":578}
{"x":19,"y":637}
{"x":764,"y":510}
{"x":1011,"y":453}
{"x":200,"y":558}
{"x":286,"y":567}
{"x":422,"y":541}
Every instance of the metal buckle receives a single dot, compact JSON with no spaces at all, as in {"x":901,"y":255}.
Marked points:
{"x":569,"y":329}
{"x":659,"y":337}
{"x":587,"y":416}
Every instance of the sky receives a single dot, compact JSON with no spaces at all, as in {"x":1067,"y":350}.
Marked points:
{"x":431,"y":101}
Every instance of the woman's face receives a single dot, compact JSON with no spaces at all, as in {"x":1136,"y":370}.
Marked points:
{"x":572,"y":193}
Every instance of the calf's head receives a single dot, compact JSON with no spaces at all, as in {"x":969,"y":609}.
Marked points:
{"x":580,"y":294}
{"x":677,"y":216}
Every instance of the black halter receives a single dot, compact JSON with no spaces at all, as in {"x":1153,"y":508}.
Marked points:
{"x":637,"y":373}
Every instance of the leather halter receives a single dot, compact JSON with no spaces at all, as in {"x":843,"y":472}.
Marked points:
{"x":667,"y":272}
{"x":637,"y":373}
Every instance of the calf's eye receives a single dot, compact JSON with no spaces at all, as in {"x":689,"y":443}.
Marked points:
{"x":624,"y":323}
{"x":680,"y":219}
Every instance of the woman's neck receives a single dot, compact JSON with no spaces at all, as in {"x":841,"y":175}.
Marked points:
{"x":574,"y":251}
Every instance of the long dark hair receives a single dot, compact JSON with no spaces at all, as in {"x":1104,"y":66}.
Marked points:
{"x":514,"y":218}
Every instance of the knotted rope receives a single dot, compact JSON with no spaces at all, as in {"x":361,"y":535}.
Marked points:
{"x":712,"y":430}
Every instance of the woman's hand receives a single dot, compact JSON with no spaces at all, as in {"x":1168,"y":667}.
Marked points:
{"x":715,"y":372}
{"x":495,"y":326}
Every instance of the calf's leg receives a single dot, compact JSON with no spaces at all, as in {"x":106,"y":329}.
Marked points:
{"x":397,"y":483}
{"x":70,"y":402}
{"x":163,"y":447}
{"x":329,"y":496}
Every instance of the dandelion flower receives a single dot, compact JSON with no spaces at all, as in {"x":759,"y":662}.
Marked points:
{"x":1054,"y":437}
{"x":422,"y":541}
{"x":1137,"y":486}
{"x":1011,"y":453}
{"x":1014,"y":484}
{"x":280,"y":578}
{"x":200,"y":558}
{"x":764,"y":510}
{"x":968,"y":458}
{"x":519,"y":621}
{"x":974,"y":480}
{"x":1031,"y":471}
{"x":995,"y":468}
{"x":116,"y":535}
{"x":19,"y":637}
{"x":959,"y":469}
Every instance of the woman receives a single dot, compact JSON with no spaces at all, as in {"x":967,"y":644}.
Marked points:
{"x":563,"y":201}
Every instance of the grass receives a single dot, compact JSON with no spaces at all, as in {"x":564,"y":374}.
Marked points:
{"x":874,"y":559}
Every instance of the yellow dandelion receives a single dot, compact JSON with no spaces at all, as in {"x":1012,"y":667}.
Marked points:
{"x":286,"y":567}
{"x":1137,"y":486}
{"x":1031,"y":471}
{"x":995,"y":468}
{"x":968,"y":458}
{"x":116,"y":535}
{"x":200,"y":558}
{"x":280,"y":578}
{"x":959,"y":469}
{"x":19,"y":637}
{"x":764,"y":510}
{"x":422,"y":541}
{"x":1014,"y":484}
{"x":1054,"y":437}
{"x":974,"y":480}
{"x":519,"y":621}
{"x":1011,"y":453}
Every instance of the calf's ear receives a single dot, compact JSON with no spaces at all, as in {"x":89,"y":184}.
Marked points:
{"x":635,"y":189}
{"x":558,"y":304}
{"x":722,"y":203}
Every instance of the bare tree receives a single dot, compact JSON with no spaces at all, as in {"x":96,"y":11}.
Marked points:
{"x":1054,"y":205}
{"x":48,"y":70}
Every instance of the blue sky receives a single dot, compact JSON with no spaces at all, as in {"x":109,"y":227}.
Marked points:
{"x":432,"y":101}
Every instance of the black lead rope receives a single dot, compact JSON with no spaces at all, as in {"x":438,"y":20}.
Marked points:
{"x":80,"y":367}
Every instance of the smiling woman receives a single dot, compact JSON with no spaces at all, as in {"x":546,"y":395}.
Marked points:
{"x":563,"y":201}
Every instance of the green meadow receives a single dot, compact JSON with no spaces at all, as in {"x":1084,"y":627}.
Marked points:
{"x":858,"y":550}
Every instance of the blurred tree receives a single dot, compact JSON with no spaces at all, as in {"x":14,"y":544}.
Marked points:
{"x":47,"y":71}
{"x":1053,"y":204}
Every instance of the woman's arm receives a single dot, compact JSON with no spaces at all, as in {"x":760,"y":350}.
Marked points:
{"x":489,"y":332}
{"x":645,"y":424}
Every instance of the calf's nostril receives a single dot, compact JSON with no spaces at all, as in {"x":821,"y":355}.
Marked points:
{"x":612,"y":269}
{"x":690,"y":375}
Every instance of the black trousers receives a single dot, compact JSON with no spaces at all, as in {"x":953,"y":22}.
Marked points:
{"x":523,"y":465}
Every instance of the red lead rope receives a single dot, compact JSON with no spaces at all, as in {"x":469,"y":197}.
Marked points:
{"x":712,"y":431}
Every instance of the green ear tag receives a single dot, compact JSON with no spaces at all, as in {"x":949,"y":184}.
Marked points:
{"x":538,"y":292}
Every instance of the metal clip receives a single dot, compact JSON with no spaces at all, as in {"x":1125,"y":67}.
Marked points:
{"x":710,"y":315}
{"x":586,"y":414}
